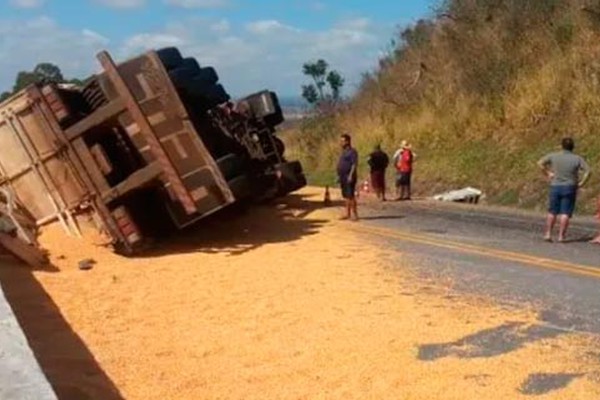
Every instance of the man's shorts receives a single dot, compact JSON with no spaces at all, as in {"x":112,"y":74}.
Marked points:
{"x":348,"y":189}
{"x":403,"y":179}
{"x":562,"y":200}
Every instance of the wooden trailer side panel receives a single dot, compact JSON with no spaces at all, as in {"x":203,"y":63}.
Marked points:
{"x":32,"y":161}
{"x":168,"y":121}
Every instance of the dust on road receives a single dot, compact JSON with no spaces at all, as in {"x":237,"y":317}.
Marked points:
{"x":285,"y":304}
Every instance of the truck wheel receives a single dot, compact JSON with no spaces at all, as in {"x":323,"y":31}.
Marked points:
{"x":181,"y":76}
{"x":217,"y":95}
{"x":231,"y":165}
{"x":170,"y":57}
{"x":207,"y":94}
{"x":241,"y":187}
{"x":197,"y":88}
{"x":208,"y":75}
{"x":194,"y":80}
{"x":191,"y":63}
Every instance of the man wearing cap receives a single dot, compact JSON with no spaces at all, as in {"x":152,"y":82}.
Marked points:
{"x":563,"y":169}
{"x":403,"y":160}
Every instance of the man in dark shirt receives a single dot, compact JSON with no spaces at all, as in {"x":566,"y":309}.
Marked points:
{"x":347,"y":175}
{"x":378,"y":162}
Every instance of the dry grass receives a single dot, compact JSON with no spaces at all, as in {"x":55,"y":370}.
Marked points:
{"x":501,"y":86}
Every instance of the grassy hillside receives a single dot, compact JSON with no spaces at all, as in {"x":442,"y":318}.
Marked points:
{"x":482,"y":90}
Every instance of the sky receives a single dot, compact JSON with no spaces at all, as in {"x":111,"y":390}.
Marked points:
{"x":253,"y":44}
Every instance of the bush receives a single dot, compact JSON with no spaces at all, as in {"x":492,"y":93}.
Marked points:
{"x":483,"y":89}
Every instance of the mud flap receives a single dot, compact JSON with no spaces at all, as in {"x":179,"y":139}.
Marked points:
{"x":241,"y":187}
{"x":291,"y":177}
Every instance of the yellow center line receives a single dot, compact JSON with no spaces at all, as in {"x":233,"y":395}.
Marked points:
{"x":541,"y":262}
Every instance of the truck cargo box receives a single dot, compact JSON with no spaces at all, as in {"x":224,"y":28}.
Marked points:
{"x":140,"y":150}
{"x":34,"y":163}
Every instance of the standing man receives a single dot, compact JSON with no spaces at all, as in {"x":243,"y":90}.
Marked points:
{"x":403,"y":160}
{"x":378,"y":162}
{"x":347,"y":175}
{"x":596,"y":240}
{"x":562,"y":170}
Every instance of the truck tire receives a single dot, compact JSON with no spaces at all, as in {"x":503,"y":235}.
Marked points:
{"x":191,"y":63}
{"x":208,"y":95}
{"x":181,"y":76}
{"x":241,"y":187}
{"x":198,"y":88}
{"x":170,"y":57}
{"x":217,"y":95}
{"x":230,"y":165}
{"x":189,"y":76}
{"x":208,"y":75}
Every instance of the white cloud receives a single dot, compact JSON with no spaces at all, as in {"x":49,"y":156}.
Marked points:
{"x":27,"y":3}
{"x":269,"y":26}
{"x":198,"y":3}
{"x":27,"y":43}
{"x":269,"y":53}
{"x":122,"y":3}
{"x":146,"y":41}
{"x":261,"y":54}
{"x":357,"y":24}
{"x":222,"y":26}
{"x":95,"y":37}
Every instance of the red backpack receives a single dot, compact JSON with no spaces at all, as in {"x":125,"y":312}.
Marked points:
{"x":405,"y":161}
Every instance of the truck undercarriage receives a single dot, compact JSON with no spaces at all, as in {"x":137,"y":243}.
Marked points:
{"x":146,"y":145}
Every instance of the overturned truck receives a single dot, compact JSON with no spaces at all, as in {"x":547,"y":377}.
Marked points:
{"x":146,"y":145}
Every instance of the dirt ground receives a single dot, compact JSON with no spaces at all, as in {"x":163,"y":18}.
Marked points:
{"x":281,"y":303}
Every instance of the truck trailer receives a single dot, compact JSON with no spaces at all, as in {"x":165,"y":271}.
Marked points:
{"x":145,"y":146}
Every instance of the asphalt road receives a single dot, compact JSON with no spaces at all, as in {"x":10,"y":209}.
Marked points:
{"x":496,"y":253}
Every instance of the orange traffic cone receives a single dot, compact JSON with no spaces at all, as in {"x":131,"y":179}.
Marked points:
{"x":327,"y":198}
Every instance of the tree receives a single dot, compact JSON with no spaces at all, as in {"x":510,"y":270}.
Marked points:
{"x":24,"y":79}
{"x":42,"y":73}
{"x":336,"y":82}
{"x":326,"y":86}
{"x":310,"y":94}
{"x":48,"y":72}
